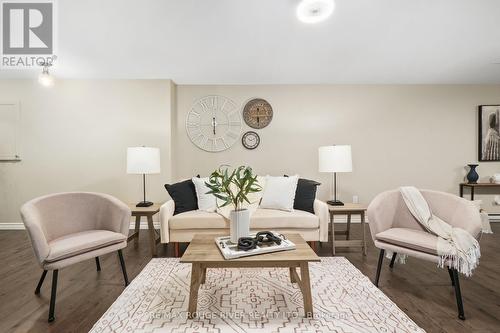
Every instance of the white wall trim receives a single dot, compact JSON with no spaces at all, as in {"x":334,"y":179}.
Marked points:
{"x":20,"y":225}
{"x":144,"y":224}
{"x":12,"y":226}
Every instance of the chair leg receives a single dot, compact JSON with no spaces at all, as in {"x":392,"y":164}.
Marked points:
{"x":393,"y":259}
{"x":450,"y":272}
{"x":379,"y":266}
{"x":124,"y":269}
{"x":458,"y":295}
{"x":53,"y":295}
{"x":97,"y":264}
{"x":40,"y":282}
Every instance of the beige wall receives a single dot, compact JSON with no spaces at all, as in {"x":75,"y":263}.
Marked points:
{"x":422,"y":135}
{"x":74,"y":138}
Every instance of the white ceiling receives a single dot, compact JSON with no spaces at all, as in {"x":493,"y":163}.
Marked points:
{"x":262,"y":42}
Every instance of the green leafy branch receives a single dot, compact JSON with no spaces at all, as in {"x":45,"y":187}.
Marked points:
{"x":233,"y":187}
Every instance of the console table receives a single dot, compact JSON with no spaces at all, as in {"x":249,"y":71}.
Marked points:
{"x":472,"y":187}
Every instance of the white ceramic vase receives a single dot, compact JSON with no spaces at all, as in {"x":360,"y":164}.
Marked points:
{"x":239,"y":224}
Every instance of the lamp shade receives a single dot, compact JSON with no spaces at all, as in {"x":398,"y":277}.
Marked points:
{"x":335,"y":159}
{"x":143,"y":160}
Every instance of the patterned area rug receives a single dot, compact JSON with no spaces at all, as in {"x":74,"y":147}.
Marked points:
{"x":253,"y":300}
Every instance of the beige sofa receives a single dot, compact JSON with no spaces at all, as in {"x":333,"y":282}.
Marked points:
{"x":182,"y":227}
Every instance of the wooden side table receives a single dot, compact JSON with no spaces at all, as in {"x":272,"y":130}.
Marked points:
{"x":348,"y":209}
{"x":148,"y":212}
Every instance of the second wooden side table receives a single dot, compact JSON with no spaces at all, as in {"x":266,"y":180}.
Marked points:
{"x":148,"y":212}
{"x":348,"y":209}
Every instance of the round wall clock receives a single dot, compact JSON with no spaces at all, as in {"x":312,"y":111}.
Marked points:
{"x":250,"y":140}
{"x":213,"y":123}
{"x":258,"y":113}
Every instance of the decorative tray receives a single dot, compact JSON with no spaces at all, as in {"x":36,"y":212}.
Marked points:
{"x":230,"y":250}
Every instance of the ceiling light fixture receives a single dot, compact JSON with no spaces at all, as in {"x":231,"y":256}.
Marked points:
{"x":45,"y":79}
{"x":314,"y":11}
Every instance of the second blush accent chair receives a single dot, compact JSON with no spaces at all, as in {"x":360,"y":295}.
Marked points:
{"x":394,"y":229}
{"x":67,"y":228}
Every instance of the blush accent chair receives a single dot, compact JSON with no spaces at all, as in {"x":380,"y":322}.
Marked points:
{"x":67,"y":228}
{"x":394,"y":229}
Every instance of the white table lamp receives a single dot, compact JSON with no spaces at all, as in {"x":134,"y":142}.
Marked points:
{"x":335,"y":159}
{"x":145,"y":161}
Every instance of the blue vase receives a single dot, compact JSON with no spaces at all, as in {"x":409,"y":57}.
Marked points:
{"x":472,"y":176}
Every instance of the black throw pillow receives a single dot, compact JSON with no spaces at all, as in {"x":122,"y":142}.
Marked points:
{"x":184,"y":196}
{"x":305,"y":194}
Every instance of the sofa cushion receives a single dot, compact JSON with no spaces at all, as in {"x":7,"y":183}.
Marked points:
{"x":197,"y":219}
{"x":81,"y":242}
{"x":267,"y":219}
{"x":264,"y":219}
{"x":418,"y":240}
{"x":184,"y":195}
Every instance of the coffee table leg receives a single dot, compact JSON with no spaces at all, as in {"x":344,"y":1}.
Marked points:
{"x":306,"y":289}
{"x":196,"y":272}
{"x":203,"y":275}
{"x":292,"y":276}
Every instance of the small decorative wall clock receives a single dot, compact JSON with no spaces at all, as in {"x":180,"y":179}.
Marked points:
{"x":258,"y":113}
{"x":250,"y":140}
{"x":214,"y":123}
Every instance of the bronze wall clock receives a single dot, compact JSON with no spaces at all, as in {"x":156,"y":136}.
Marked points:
{"x":258,"y":113}
{"x":250,"y":140}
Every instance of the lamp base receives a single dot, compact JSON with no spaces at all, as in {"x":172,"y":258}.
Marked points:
{"x":335,"y":203}
{"x":144,"y":204}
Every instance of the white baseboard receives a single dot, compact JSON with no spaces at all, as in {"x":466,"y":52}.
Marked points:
{"x":12,"y":226}
{"x":494,"y":217}
{"x":144,"y":225}
{"x":20,"y":225}
{"x":343,"y":219}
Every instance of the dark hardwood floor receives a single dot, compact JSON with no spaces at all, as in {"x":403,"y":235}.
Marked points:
{"x":418,"y":288}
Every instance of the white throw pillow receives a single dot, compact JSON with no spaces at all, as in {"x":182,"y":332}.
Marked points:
{"x":254,"y":198}
{"x":206,"y":202}
{"x":279,"y":193}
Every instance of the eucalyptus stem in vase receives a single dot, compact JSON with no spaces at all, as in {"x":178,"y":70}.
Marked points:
{"x":232,"y":187}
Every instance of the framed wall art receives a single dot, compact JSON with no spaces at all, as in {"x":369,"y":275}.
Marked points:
{"x":489,"y":133}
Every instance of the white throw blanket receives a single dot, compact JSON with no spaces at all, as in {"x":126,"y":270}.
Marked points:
{"x":456,"y":247}
{"x":485,"y":218}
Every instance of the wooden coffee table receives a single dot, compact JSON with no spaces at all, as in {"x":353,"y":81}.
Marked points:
{"x":203,"y":253}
